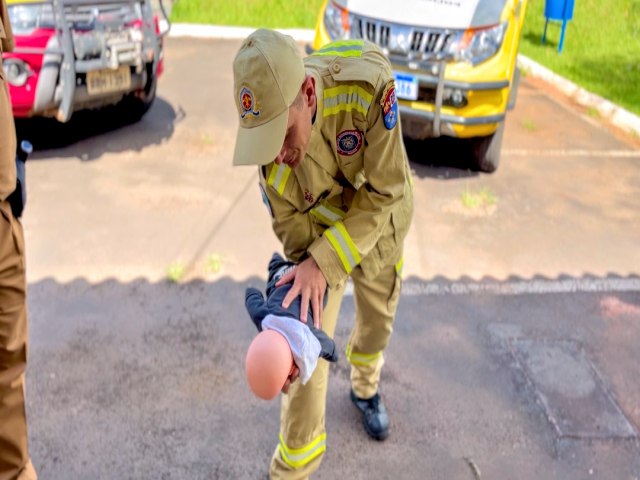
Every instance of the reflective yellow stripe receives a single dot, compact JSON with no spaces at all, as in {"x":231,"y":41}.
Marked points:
{"x":327,"y":214}
{"x":299,"y":457}
{"x":344,"y":99}
{"x":278,"y":177}
{"x":343,"y":245}
{"x":399,"y":266}
{"x":364,"y":359}
{"x":344,"y":48}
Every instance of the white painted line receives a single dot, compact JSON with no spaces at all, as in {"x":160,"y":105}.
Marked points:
{"x":525,"y":287}
{"x":572,"y":153}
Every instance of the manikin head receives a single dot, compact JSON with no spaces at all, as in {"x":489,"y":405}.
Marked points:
{"x":268,"y":364}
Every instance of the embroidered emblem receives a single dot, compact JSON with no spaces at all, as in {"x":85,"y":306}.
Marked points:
{"x":389,"y":105}
{"x":266,"y":201}
{"x":308,"y":196}
{"x":349,"y":142}
{"x":248,"y":103}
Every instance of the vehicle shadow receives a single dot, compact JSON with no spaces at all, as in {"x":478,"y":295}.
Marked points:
{"x":92,"y":133}
{"x":443,"y":158}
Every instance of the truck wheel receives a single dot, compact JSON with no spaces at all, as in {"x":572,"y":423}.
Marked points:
{"x":486,"y":150}
{"x":137,"y":104}
{"x":149,"y":90}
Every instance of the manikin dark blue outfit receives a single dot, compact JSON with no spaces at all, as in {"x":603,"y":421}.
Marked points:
{"x":259,"y":308}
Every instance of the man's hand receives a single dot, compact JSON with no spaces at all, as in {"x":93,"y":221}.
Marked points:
{"x":309,"y":283}
{"x":293,"y":376}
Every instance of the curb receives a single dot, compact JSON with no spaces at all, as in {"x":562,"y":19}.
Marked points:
{"x":610,"y":112}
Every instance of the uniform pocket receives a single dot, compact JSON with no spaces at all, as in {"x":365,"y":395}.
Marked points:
{"x":12,"y":280}
{"x":13,"y":229}
{"x":392,"y":303}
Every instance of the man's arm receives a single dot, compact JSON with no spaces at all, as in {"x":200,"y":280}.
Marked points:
{"x":342,"y":246}
{"x":6,"y":35}
{"x":294,"y":229}
{"x":296,"y":232}
{"x":7,"y":128}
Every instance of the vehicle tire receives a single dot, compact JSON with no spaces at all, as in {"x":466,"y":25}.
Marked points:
{"x":135,"y":105}
{"x":486,"y":150}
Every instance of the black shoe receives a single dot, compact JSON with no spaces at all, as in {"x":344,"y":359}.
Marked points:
{"x":374,"y":415}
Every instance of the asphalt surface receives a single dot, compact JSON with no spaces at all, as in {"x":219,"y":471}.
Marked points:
{"x":514,"y":353}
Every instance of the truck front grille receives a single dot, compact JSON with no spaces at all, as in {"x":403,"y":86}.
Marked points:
{"x":414,"y":43}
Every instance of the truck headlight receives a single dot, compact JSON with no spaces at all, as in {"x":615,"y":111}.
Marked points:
{"x":336,"y":21}
{"x":16,"y":71}
{"x":477,"y":45}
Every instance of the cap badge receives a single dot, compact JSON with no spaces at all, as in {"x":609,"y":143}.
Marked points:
{"x":248,"y":103}
{"x":348,"y":142}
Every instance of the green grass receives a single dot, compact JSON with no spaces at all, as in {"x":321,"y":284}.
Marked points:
{"x":601,"y":50}
{"x":214,"y":263}
{"x":529,"y":125}
{"x":248,"y":13}
{"x":176,"y":271}
{"x":593,"y":112}
{"x":483,"y":198}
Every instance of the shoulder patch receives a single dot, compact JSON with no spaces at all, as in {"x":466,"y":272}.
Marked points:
{"x":389,"y":105}
{"x":348,"y":142}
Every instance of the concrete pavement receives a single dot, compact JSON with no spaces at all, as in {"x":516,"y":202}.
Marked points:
{"x":514,"y":354}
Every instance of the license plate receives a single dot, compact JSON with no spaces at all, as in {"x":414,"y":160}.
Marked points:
{"x":406,"y":86}
{"x":106,"y":81}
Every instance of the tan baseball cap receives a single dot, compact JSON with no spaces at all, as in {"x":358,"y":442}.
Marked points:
{"x":268,"y":72}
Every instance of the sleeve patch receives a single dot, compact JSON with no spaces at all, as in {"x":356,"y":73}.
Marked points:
{"x":389,"y":106}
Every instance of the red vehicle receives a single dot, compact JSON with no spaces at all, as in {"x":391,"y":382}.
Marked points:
{"x":73,"y":55}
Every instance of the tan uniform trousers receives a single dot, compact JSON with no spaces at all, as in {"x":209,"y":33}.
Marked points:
{"x":302,"y":414}
{"x":14,"y":453}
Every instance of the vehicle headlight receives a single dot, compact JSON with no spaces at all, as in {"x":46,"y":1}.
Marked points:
{"x":16,"y":71}
{"x":336,"y":21}
{"x":477,"y":45}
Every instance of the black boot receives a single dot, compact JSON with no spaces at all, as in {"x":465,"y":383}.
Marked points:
{"x":374,"y":415}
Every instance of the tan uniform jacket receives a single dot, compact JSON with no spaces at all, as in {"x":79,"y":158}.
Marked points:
{"x":350,"y":201}
{"x":7,"y":129}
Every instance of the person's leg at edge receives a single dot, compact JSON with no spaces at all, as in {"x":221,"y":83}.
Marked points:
{"x":14,"y":452}
{"x":302,"y":413}
{"x":376,"y":302}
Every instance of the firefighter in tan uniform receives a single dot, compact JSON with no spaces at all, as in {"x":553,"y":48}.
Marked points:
{"x":14,"y":453}
{"x":335,"y":178}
